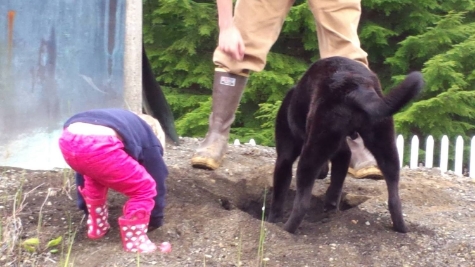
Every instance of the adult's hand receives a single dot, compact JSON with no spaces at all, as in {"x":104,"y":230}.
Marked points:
{"x":231,"y":43}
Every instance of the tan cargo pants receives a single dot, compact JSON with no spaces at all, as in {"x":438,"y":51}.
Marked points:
{"x":260,"y":23}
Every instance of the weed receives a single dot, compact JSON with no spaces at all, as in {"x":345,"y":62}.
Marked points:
{"x":262,"y":235}
{"x":67,"y":257}
{"x":67,"y":176}
{"x":11,"y":230}
{"x":71,"y":236}
{"x":40,"y":215}
{"x":239,"y":248}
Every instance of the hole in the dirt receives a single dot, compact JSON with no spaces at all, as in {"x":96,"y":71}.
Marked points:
{"x":315,"y":214}
{"x":225,"y":203}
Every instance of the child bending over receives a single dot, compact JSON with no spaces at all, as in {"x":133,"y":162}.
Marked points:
{"x":117,"y":149}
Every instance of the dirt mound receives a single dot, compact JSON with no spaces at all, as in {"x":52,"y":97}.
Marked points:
{"x":213,"y":218}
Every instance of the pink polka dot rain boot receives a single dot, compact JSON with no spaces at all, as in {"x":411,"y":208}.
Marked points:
{"x":97,"y":224}
{"x":133,"y":229}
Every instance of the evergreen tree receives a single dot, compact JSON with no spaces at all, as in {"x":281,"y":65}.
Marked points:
{"x":434,"y":36}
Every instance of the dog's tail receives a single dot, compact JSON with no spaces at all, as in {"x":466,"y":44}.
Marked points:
{"x":397,"y":98}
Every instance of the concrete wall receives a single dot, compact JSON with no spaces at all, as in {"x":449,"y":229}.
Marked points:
{"x":59,"y":57}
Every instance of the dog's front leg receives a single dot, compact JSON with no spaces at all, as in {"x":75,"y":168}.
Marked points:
{"x":282,"y":180}
{"x":309,"y":166}
{"x":340,"y":163}
{"x":301,"y":203}
{"x":288,"y":150}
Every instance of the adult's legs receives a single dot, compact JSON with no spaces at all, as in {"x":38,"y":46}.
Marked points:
{"x":337,"y":32}
{"x":259,"y":23}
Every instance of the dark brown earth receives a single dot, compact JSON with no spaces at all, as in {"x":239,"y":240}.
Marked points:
{"x":213,"y":218}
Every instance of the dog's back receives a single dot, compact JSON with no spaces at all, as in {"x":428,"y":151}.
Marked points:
{"x":347,"y":93}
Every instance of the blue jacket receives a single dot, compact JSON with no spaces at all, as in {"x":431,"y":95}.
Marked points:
{"x":140,"y":143}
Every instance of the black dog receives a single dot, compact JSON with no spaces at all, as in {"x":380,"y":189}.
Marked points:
{"x":336,"y":98}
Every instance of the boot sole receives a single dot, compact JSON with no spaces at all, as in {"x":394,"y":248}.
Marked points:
{"x":204,"y":163}
{"x":366,"y":173}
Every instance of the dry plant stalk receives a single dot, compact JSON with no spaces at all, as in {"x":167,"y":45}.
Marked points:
{"x":13,"y":227}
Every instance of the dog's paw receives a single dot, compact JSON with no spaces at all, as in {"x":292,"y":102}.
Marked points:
{"x":400,"y":228}
{"x":290,"y":228}
{"x":330,"y":207}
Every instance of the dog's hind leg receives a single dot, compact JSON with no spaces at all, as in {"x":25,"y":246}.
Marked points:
{"x":316,"y":152}
{"x":340,"y":163}
{"x":381,"y":143}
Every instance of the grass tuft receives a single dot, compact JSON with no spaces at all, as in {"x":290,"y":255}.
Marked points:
{"x":262,"y":235}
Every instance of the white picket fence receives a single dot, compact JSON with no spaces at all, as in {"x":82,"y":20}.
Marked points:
{"x":429,"y":158}
{"x":444,"y":154}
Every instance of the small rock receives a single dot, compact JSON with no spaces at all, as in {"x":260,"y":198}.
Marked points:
{"x":367,"y":223}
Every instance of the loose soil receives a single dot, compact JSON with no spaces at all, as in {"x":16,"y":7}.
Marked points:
{"x":213,"y":218}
